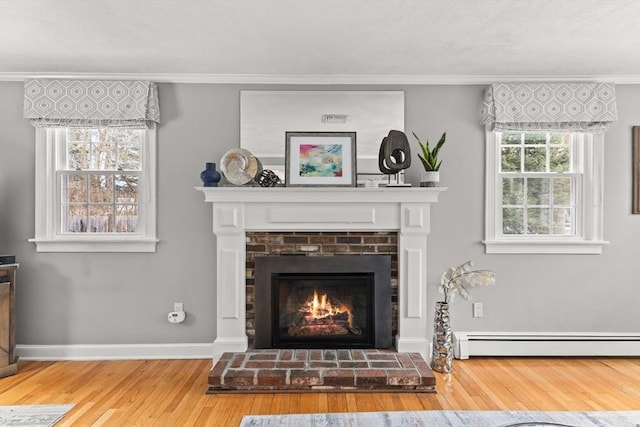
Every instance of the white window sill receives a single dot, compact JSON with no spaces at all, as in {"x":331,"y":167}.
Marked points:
{"x":544,"y":247}
{"x":95,"y":244}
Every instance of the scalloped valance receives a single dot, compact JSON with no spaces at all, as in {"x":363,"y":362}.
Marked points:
{"x":574,"y":107}
{"x":91,"y":103}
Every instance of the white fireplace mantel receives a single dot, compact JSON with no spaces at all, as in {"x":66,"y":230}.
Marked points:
{"x":237,"y":210}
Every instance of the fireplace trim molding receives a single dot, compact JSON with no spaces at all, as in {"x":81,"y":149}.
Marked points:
{"x":237,"y":210}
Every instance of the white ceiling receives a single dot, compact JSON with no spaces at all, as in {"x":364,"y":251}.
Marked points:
{"x":323,"y":40}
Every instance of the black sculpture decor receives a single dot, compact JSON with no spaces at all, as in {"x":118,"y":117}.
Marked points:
{"x":395,"y":153}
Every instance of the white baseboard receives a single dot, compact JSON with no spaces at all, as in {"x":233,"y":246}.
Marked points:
{"x":468,"y":344}
{"x":115,"y":351}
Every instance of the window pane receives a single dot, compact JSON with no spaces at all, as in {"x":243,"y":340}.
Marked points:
{"x":74,"y":188}
{"x":74,"y":218}
{"x":97,"y":214}
{"x":513,"y":221}
{"x":563,"y":222}
{"x":560,"y":138}
{"x":535,"y":159}
{"x":510,"y":159}
{"x":78,"y":135}
{"x":100,"y":219}
{"x":104,"y":149}
{"x":560,"y":159}
{"x":103,"y":155}
{"x":538,"y":191}
{"x":126,"y":189}
{"x":562,"y":188}
{"x":101,"y":188}
{"x":126,"y":218}
{"x":511,"y":138}
{"x":535,"y":138}
{"x":129,"y":156}
{"x":538,"y":221}
{"x":512,"y":191}
{"x":78,"y":155}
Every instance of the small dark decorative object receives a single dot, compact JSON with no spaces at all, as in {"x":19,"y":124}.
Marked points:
{"x":210,"y":176}
{"x":268,"y":178}
{"x":395,"y":153}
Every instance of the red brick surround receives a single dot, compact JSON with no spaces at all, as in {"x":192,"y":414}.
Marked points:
{"x":320,"y":244}
{"x":321,"y":371}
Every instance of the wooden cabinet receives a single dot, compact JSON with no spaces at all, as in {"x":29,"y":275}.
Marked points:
{"x":8,"y":357}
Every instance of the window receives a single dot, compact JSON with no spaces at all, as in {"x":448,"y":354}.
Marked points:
{"x":544,"y":192}
{"x":539,"y":177}
{"x":95,"y":189}
{"x":95,"y":164}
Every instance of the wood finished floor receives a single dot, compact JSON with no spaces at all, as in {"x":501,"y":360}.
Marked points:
{"x":172,"y":392}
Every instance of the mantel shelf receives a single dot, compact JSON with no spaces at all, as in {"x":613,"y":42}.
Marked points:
{"x":322,"y":194}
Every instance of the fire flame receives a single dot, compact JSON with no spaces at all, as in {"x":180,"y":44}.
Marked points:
{"x":320,"y":307}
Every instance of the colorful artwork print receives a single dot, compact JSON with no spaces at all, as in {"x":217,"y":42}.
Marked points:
{"x":320,"y":160}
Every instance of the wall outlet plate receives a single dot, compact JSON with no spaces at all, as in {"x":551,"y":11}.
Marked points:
{"x":478,"y":309}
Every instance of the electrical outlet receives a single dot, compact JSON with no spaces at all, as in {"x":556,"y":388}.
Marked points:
{"x":477,"y":309}
{"x":178,"y":306}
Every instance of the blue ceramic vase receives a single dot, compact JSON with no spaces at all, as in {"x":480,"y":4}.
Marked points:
{"x":210,"y":177}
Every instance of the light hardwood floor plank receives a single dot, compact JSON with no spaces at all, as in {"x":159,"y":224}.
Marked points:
{"x":172,"y":392}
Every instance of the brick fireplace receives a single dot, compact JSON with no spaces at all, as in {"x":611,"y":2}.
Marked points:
{"x":323,"y":302}
{"x":240,"y":211}
{"x":319,"y":245}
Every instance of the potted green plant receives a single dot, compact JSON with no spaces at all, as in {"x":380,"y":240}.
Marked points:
{"x":430,"y":177}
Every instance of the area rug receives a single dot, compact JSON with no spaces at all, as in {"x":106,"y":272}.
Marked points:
{"x":448,"y":419}
{"x":32,"y":415}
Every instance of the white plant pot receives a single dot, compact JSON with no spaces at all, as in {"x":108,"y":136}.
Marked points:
{"x":429,"y":178}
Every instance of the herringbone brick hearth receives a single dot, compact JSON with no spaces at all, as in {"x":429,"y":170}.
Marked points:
{"x":321,"y":370}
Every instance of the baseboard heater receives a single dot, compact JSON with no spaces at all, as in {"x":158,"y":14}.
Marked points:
{"x":466,"y":344}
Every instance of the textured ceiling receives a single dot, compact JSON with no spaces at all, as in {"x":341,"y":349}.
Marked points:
{"x":415,"y":38}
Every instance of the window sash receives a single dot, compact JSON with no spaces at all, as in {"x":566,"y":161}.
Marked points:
{"x":63,"y":204}
{"x":61,"y":144}
{"x":573,"y":206}
{"x":62,"y":151}
{"x":48,"y":236}
{"x":576,"y":144}
{"x":588,"y":238}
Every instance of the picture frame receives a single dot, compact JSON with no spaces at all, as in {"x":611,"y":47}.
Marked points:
{"x":318,"y":159}
{"x":635,"y":209}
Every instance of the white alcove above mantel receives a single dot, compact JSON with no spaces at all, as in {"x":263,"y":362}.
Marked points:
{"x":237,"y":210}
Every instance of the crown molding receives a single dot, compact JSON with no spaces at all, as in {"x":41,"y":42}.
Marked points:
{"x":350,"y":79}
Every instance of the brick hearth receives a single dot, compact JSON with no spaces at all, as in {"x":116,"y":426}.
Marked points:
{"x":321,"y":370}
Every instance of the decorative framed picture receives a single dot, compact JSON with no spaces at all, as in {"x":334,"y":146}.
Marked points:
{"x":636,"y":170}
{"x":320,"y":159}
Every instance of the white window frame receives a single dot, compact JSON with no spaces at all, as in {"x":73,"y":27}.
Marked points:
{"x":48,"y":227}
{"x":589,"y":208}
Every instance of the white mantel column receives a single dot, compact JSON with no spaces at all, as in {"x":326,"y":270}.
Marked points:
{"x":413,"y":327}
{"x":228,"y":226}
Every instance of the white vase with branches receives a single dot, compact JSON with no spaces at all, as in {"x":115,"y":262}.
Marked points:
{"x":456,"y":280}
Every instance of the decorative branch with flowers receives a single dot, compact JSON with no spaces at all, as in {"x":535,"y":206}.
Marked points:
{"x":458,"y":279}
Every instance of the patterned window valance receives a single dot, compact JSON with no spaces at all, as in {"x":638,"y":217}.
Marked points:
{"x":575,"y":107}
{"x":95,"y":103}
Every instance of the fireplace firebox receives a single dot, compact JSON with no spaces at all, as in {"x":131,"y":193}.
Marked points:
{"x":316,"y":309}
{"x":323,"y":302}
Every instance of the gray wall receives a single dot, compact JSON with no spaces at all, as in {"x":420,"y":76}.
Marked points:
{"x":124,"y":298}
